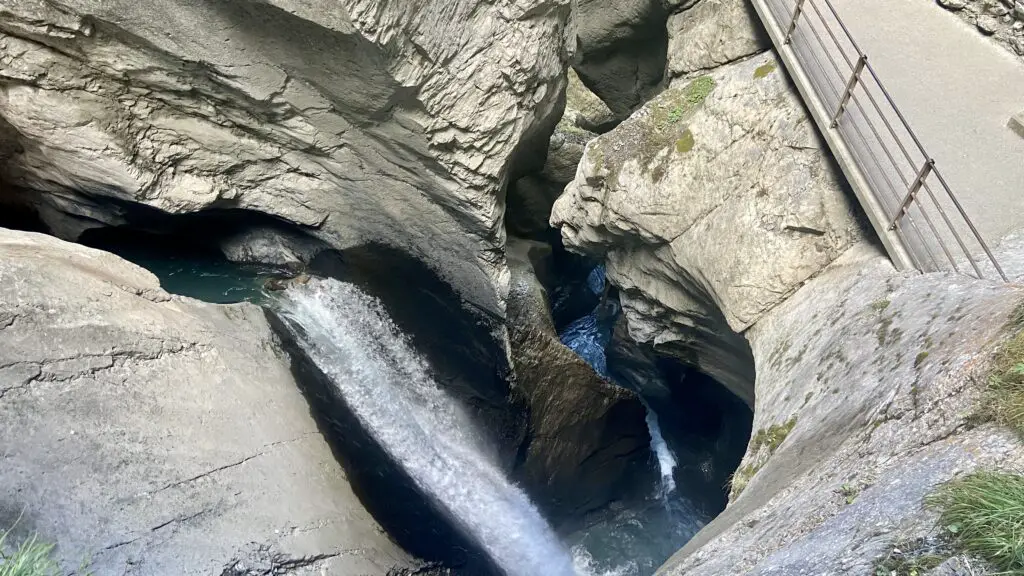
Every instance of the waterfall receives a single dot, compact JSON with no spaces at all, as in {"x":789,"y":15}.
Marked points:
{"x":666,"y":460}
{"x":387,"y":385}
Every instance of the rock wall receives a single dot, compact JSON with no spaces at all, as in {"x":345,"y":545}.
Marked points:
{"x":735,"y":245}
{"x":587,"y":442}
{"x":622,"y":49}
{"x":393,"y":122}
{"x":1002,"y":20}
{"x":156,"y":435}
{"x":727,"y":158}
{"x":867,"y":389}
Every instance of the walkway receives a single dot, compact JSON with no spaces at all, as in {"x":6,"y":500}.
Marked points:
{"x":956,"y":89}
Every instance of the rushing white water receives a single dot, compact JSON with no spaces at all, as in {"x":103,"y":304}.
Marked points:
{"x":387,"y":385}
{"x":666,"y":460}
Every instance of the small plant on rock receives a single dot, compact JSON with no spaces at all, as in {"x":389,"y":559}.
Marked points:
{"x":983,"y":513}
{"x":30,"y":558}
{"x":1004,"y":400}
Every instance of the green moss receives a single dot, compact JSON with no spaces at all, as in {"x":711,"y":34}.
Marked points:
{"x":739,"y":480}
{"x":849,"y":492}
{"x":1004,"y":399}
{"x":920,"y":358}
{"x":883,"y":331}
{"x":697,"y":91}
{"x":765,"y":70}
{"x":880,"y":305}
{"x":984,"y":515}
{"x":685,"y":142}
{"x":772,"y":437}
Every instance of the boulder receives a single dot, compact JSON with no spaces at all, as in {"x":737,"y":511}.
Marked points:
{"x":713,"y":33}
{"x":587,"y":440}
{"x":362,"y":121}
{"x":157,"y":435}
{"x":622,"y":50}
{"x":711,"y":205}
{"x":264,"y":245}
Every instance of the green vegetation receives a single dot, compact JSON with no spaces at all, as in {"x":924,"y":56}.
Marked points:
{"x":764,"y":70}
{"x":1004,"y":400}
{"x":849,"y":492}
{"x":30,"y":558}
{"x":907,"y":565}
{"x":688,"y":98}
{"x":685,"y":142}
{"x":770,"y":438}
{"x":773,"y":436}
{"x":696,"y":91}
{"x":883,"y":331}
{"x":880,"y":305}
{"x":920,"y":358}
{"x":984,"y":515}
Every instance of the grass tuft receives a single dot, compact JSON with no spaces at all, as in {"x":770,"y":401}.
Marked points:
{"x":773,"y":436}
{"x":30,"y":558}
{"x":1004,"y":400}
{"x":984,"y":514}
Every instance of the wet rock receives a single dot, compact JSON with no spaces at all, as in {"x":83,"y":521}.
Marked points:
{"x":157,"y":435}
{"x":587,"y":440}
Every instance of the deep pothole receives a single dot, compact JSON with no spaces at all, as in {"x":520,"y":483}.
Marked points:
{"x":704,"y":427}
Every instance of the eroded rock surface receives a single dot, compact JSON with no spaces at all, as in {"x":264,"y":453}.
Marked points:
{"x":1002,"y":20}
{"x":622,"y":44}
{"x":156,"y":435}
{"x":711,"y":204}
{"x":587,"y":440}
{"x":363,"y":121}
{"x":875,"y":375}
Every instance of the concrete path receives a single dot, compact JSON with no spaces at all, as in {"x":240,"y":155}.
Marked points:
{"x":958,"y":91}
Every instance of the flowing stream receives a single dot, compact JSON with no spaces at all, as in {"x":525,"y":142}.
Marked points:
{"x":387,"y":385}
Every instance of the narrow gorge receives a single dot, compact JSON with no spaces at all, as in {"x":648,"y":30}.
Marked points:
{"x":461,"y":288}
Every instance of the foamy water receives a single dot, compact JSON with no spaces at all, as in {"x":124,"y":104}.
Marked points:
{"x":387,"y":385}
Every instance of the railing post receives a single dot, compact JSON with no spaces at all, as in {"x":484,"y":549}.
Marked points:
{"x":915,"y":187}
{"x":850,"y":85}
{"x":792,"y":23}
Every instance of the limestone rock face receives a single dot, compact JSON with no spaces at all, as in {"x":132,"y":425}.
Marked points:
{"x":264,"y":245}
{"x":711,"y":204}
{"x":876,"y":376}
{"x":530,"y":197}
{"x":623,"y":46}
{"x":713,"y":33}
{"x":157,"y":435}
{"x":392,"y":122}
{"x":587,"y":438}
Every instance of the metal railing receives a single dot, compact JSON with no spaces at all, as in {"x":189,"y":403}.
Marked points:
{"x":899,"y":173}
